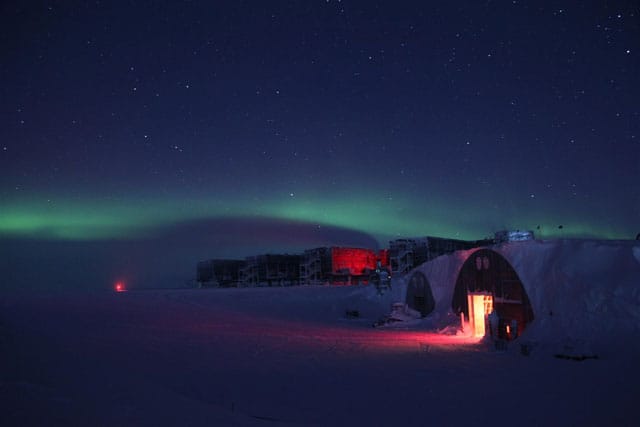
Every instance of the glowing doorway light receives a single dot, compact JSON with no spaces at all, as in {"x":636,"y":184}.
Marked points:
{"x":119,"y":287}
{"x":480,"y":305}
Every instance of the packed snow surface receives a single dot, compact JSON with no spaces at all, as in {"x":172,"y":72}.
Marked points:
{"x":292,"y":356}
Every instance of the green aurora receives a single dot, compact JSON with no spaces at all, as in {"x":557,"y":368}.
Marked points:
{"x":384,"y":218}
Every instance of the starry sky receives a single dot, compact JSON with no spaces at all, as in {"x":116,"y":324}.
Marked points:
{"x":286,"y":124}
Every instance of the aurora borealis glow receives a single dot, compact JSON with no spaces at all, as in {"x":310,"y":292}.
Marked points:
{"x":120,"y":120}
{"x":98,"y":219}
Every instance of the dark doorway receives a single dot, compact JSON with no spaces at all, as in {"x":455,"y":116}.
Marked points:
{"x":419,"y":296}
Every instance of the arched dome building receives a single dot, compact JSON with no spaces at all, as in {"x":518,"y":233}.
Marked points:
{"x":585,"y":290}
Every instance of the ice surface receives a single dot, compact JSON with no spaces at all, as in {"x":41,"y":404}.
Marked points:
{"x":291,"y":356}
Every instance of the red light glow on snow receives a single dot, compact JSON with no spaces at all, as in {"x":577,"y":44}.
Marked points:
{"x":382,"y":340}
{"x":119,"y":287}
{"x":341,"y":340}
{"x":255,"y":330}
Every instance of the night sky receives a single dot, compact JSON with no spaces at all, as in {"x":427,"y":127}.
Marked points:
{"x":270,"y":125}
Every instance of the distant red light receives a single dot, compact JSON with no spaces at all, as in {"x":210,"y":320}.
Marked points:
{"x":354,"y":260}
{"x":120,"y":287}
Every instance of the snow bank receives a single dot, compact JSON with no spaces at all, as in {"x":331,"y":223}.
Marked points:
{"x":584,"y":292}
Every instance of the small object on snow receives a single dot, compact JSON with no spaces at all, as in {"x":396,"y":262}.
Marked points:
{"x":352,"y":314}
{"x":577,"y":358}
{"x":526,"y":348}
{"x":119,"y":287}
{"x":400,"y":312}
{"x":500,"y":344}
{"x":266,"y":418}
{"x":577,"y":350}
{"x":383,"y":321}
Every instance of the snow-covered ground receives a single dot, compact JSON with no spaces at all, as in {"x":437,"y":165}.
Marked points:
{"x":291,"y":356}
